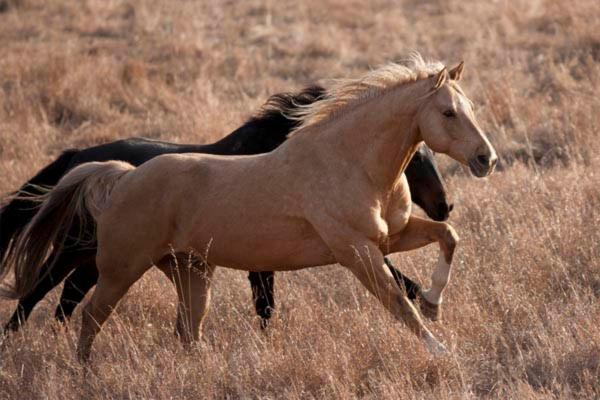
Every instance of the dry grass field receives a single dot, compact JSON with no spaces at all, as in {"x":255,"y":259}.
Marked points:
{"x":522,"y":312}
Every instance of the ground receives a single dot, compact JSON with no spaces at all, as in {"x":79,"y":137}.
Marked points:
{"x":521,"y":315}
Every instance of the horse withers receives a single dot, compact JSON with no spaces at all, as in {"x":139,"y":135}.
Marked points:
{"x":324,"y":196}
{"x":261,"y":133}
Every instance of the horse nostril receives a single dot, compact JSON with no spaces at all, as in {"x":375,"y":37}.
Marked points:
{"x":483,"y":159}
{"x":443,"y":210}
{"x":451,"y":207}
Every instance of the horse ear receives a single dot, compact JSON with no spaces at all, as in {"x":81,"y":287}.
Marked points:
{"x":456,"y":72}
{"x":441,"y":78}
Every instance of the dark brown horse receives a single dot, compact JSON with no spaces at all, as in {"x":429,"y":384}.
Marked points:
{"x":261,"y":133}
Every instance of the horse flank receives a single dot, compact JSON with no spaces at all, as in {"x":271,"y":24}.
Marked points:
{"x":85,"y":189}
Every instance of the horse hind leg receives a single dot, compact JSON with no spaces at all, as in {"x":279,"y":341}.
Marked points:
{"x":63,"y":265}
{"x":112,"y":285}
{"x":192,"y":279}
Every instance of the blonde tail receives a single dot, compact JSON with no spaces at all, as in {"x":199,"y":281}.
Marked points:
{"x":84,"y":190}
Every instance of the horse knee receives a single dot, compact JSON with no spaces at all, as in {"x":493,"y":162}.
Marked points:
{"x":448,"y":242}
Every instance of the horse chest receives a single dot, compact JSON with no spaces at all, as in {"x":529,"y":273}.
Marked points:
{"x":398,"y":220}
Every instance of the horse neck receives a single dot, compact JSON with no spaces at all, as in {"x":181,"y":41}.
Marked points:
{"x":380,"y":135}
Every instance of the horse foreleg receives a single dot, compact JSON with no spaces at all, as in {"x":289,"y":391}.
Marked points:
{"x":369,"y":268}
{"x":365,"y":260}
{"x":420,"y":232}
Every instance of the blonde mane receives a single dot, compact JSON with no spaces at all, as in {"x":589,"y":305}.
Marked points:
{"x":345,"y":93}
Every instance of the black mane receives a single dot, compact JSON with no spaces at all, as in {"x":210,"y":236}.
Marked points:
{"x":277,"y":106}
{"x":271,"y":125}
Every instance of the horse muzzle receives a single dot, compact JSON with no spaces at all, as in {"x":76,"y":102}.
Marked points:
{"x":442,"y":211}
{"x":483,"y":165}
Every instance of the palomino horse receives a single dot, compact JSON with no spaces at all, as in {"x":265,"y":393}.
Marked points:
{"x":284,"y":210}
{"x":260,"y":134}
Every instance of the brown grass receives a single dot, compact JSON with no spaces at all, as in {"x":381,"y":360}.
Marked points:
{"x":522,"y":314}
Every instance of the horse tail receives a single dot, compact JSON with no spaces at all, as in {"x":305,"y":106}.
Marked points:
{"x":83,"y":191}
{"x":17,"y":213}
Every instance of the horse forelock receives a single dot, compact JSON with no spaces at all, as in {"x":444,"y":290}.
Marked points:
{"x":343,"y":93}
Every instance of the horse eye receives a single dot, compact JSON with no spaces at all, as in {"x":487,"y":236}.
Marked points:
{"x":449,"y":113}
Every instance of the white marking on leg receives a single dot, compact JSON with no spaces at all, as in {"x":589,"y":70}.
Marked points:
{"x":439,"y":280}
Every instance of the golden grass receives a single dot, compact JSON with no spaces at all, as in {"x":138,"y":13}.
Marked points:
{"x":521,"y":315}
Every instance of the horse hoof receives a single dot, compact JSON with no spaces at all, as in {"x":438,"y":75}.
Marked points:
{"x":430,"y":310}
{"x":83,"y":357}
{"x":435,"y":347}
{"x":11,"y":326}
{"x":264,"y":323}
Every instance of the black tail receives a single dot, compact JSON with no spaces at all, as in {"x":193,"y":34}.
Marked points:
{"x":16,"y":214}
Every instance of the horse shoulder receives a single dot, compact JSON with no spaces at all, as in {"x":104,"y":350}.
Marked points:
{"x":399,"y":207}
{"x":356,"y":217}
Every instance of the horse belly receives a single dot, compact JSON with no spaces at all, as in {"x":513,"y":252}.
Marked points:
{"x":263,"y":245}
